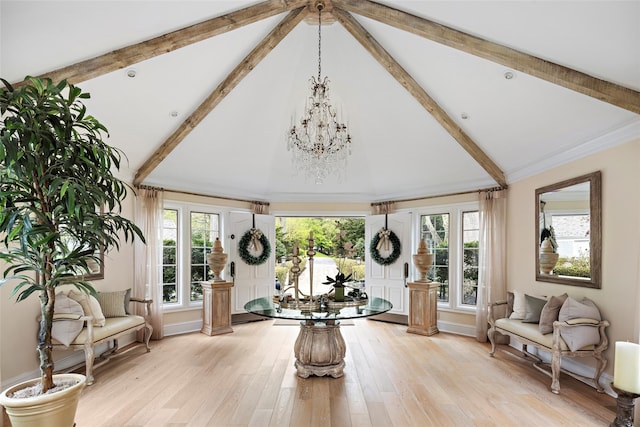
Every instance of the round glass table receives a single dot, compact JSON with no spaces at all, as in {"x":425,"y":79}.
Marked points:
{"x":319,"y":348}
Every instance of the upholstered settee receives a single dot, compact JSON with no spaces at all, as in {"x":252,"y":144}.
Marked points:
{"x":83,"y":322}
{"x":559,"y":325}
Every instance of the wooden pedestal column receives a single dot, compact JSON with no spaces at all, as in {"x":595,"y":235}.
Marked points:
{"x":216,"y":308}
{"x":423,"y":308}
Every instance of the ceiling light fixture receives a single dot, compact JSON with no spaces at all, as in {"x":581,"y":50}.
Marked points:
{"x":320,"y":143}
{"x":131,"y":73}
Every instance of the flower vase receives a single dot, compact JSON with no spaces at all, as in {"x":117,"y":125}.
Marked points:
{"x":339,"y":293}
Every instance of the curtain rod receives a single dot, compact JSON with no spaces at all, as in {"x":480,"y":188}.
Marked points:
{"x":439,"y":195}
{"x":191,"y":193}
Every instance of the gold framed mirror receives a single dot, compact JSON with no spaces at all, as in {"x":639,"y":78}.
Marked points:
{"x":569,"y":232}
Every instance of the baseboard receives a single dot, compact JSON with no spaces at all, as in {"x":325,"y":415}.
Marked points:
{"x":182,"y":328}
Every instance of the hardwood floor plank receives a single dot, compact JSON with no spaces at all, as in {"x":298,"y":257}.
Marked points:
{"x":391,"y":378}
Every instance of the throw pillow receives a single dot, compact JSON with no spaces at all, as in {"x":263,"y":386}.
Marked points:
{"x":519,"y":309}
{"x":533,"y":308}
{"x":550,"y":312}
{"x":66,"y":319}
{"x":112,"y":303}
{"x":578,"y":337}
{"x":90,"y":306}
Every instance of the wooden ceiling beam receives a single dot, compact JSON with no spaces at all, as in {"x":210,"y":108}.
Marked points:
{"x":585,"y":84}
{"x":133,"y":54}
{"x":405,"y":79}
{"x":228,"y":84}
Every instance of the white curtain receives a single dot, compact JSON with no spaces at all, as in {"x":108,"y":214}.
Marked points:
{"x":148,"y":256}
{"x":492,"y":285}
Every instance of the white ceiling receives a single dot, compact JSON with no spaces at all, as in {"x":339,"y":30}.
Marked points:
{"x":525,"y":125}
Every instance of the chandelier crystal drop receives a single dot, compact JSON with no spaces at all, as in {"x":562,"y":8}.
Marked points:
{"x":321,"y":143}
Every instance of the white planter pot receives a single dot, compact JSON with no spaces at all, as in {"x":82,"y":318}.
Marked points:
{"x":51,"y":410}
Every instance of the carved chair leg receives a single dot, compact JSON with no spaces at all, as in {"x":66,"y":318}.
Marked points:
{"x":602,"y":364}
{"x":491,"y":334}
{"x":148,"y":332}
{"x":555,"y":372}
{"x":88,"y":357}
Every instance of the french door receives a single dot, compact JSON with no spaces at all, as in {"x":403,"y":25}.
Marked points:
{"x":389,"y":281}
{"x":250,"y":281}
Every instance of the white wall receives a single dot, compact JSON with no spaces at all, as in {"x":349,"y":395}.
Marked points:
{"x":618,"y":297}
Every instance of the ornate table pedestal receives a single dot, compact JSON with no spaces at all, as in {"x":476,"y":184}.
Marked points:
{"x":423,"y":308}
{"x":320,"y":349}
{"x":216,"y":308}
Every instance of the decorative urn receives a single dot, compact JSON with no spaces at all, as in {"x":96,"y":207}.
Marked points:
{"x":217,"y":260}
{"x":548,"y":258}
{"x":423,"y":261}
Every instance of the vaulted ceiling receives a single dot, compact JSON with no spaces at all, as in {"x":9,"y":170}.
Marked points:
{"x":422,"y":84}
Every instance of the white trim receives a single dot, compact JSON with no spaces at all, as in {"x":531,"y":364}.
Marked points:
{"x":457,"y":328}
{"x":182,"y":328}
{"x":623,"y":134}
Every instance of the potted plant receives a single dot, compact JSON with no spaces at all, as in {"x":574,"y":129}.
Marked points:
{"x":59,"y":206}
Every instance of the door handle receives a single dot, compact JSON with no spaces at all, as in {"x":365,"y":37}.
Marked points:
{"x":232,"y":270}
{"x":406,"y":273}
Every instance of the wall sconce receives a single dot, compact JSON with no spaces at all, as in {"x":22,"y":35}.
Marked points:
{"x":626,"y":381}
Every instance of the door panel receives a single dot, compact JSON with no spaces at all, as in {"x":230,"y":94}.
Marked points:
{"x":251,"y":281}
{"x":388,"y":281}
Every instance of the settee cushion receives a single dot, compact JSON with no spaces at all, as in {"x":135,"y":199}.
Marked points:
{"x":90,"y":306}
{"x":533,"y":308}
{"x":112,"y":303}
{"x":528,"y":331}
{"x":579,"y":336}
{"x":549,"y":313}
{"x":66,"y":319}
{"x":113,"y":326}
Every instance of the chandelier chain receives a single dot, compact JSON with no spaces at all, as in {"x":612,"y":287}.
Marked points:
{"x":319,"y":41}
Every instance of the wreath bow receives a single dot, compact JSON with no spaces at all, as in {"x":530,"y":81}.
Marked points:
{"x":256,"y":235}
{"x":384,"y":239}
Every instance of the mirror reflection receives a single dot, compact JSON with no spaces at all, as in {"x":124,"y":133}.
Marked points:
{"x":568,"y":232}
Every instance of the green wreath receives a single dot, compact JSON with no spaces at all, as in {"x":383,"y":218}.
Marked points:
{"x":246,"y":240}
{"x":375,"y":254}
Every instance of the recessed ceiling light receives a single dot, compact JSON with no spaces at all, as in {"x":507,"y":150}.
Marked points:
{"x":131,"y":73}
{"x":174,"y":114}
{"x":464,"y":116}
{"x":509,"y":75}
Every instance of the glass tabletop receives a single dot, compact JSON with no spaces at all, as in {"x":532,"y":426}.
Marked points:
{"x":268,"y":308}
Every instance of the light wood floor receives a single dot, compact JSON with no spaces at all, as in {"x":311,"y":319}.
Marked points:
{"x":392,"y":378}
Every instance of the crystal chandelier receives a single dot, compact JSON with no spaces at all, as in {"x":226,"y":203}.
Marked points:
{"x":320,"y":143}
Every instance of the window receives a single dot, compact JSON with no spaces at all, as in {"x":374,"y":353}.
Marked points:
{"x":188,"y":234}
{"x":204,"y":230}
{"x":435,"y":232}
{"x":170,"y":256}
{"x":452,"y":235}
{"x":470,"y":244}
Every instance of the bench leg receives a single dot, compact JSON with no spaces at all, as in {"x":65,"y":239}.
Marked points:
{"x":556,"y":360}
{"x":147,"y":335}
{"x":492,"y":338}
{"x":88,"y":357}
{"x":602,"y":363}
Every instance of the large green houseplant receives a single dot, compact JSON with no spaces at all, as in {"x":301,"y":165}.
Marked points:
{"x":60,"y":201}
